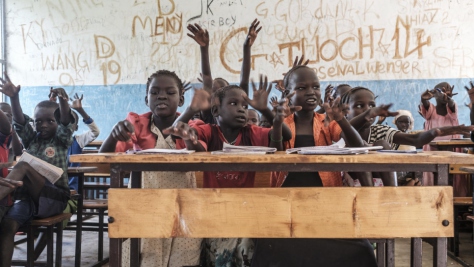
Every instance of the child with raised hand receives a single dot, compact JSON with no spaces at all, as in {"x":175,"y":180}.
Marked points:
{"x":38,"y":197}
{"x":80,"y":140}
{"x":230,"y":108}
{"x":201,"y":36}
{"x":164,"y":94}
{"x":15,"y":149}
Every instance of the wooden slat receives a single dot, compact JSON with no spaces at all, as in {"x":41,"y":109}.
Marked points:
{"x":389,"y":212}
{"x":456,"y":168}
{"x":467,"y":169}
{"x":262,"y":179}
{"x":462,"y":201}
{"x":428,"y":157}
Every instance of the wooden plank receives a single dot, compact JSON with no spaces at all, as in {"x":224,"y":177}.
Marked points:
{"x":467,"y":169}
{"x":427,"y":157}
{"x":462,"y":142}
{"x":262,"y":179}
{"x":457,"y":168}
{"x":462,"y":201}
{"x":389,"y":212}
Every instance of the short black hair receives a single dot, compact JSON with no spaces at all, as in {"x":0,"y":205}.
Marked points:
{"x":286,"y":78}
{"x":346,"y":98}
{"x":168,"y":73}
{"x":219,"y":94}
{"x":342,"y":85}
{"x":47,"y":104}
{"x":222,"y":80}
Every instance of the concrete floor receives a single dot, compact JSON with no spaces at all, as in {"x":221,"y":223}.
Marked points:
{"x":89,"y":250}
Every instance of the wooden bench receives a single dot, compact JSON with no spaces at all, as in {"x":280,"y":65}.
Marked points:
{"x":50,"y":224}
{"x":458,"y":203}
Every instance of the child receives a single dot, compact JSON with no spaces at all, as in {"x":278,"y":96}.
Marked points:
{"x":362,"y":111}
{"x":81,"y":140}
{"x":201,"y":36}
{"x":443,"y":114}
{"x":15,"y":149}
{"x":404,"y":122}
{"x":229,"y":107}
{"x":164,"y":94}
{"x":308,"y":129}
{"x":38,"y":197}
{"x":253,"y":117}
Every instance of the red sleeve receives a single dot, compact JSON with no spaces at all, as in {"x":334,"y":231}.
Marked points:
{"x":259,"y":136}
{"x":203,"y":132}
{"x":124,"y":146}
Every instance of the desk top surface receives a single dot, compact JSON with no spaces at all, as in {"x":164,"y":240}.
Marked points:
{"x":455,"y":142}
{"x":428,"y":157}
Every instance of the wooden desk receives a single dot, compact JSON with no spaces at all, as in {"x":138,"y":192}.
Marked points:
{"x":95,"y":144}
{"x":449,"y":145}
{"x":436,"y":161}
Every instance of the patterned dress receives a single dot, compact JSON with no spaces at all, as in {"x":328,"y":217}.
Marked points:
{"x":166,"y":252}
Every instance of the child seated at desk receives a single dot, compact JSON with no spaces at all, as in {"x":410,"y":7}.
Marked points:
{"x":164,"y":94}
{"x":15,"y":147}
{"x":80,"y":140}
{"x":38,"y":197}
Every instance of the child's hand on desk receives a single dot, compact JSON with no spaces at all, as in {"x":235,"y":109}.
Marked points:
{"x":10,"y":183}
{"x":8,"y":88}
{"x":453,"y":130}
{"x":182,"y":130}
{"x":123,"y":130}
{"x":260,"y":95}
{"x":382,"y":110}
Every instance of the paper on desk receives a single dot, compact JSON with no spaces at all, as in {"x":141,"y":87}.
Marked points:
{"x":238,"y":152}
{"x":234,"y":149}
{"x":164,"y":151}
{"x":49,"y":171}
{"x":332,"y":150}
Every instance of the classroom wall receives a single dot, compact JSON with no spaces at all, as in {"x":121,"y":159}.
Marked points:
{"x":106,"y":49}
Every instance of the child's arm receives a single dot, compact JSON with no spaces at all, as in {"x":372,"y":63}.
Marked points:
{"x":425,"y":98}
{"x":425,"y":137}
{"x":121,"y":132}
{"x":246,"y":61}
{"x":187,"y":133}
{"x":200,"y":102}
{"x":5,"y":127}
{"x":276,"y":133}
{"x":94,"y":131}
{"x":13,"y":91}
{"x":16,"y":144}
{"x":336,"y":113}
{"x":382,"y":110}
{"x":64,"y":109}
{"x":260,"y":100}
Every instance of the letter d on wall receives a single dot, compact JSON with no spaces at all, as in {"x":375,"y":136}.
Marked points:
{"x":104,"y":46}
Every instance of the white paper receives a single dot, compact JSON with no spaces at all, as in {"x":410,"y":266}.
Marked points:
{"x":49,"y":171}
{"x":332,"y":150}
{"x":229,"y":148}
{"x":164,"y":151}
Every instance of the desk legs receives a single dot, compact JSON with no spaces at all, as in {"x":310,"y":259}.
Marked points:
{"x":135,"y":181}
{"x":115,"y":245}
{"x":416,"y":252}
{"x":440,"y":246}
{"x":80,"y":191}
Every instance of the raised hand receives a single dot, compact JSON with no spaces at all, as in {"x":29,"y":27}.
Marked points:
{"x":470,"y":92}
{"x":279,"y":85}
{"x":182,"y":130}
{"x":336,"y":111}
{"x":300,"y":61}
{"x":328,"y":95}
{"x":77,"y":102}
{"x":59,"y":92}
{"x":200,"y":35}
{"x":382,"y":110}
{"x":427,"y":95}
{"x":8,"y":88}
{"x":10,"y":183}
{"x":273,"y":102}
{"x":260,"y":95}
{"x":123,"y":130}
{"x":253,"y":32}
{"x":287,"y":109}
{"x":187,"y":86}
{"x":453,"y":130}
{"x":201,"y":100}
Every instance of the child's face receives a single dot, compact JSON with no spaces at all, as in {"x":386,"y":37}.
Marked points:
{"x":164,"y":96}
{"x":360,"y":102}
{"x":403,"y":123}
{"x":252,"y":118}
{"x":232,"y":111}
{"x":264,"y":122}
{"x":45,"y":122}
{"x":7,"y":109}
{"x":306,"y":85}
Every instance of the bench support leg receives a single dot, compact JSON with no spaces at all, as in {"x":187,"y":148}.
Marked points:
{"x":390,"y":250}
{"x":416,"y":252}
{"x":59,"y":244}
{"x":440,"y":257}
{"x":115,"y":245}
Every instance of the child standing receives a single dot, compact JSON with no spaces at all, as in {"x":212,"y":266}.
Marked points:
{"x":230,"y":108}
{"x":164,"y":94}
{"x":38,"y":197}
{"x":81,"y":140}
{"x":445,"y":113}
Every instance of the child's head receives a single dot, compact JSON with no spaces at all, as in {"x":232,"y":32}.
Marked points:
{"x":264,"y":122}
{"x":229,"y":106}
{"x":7,"y":109}
{"x":304,"y":82}
{"x":164,"y":93}
{"x":252,"y":117}
{"x":445,"y":88}
{"x":219,"y":83}
{"x":404,"y":120}
{"x":359,"y":100}
{"x":46,"y":123}
{"x":341,"y":89}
